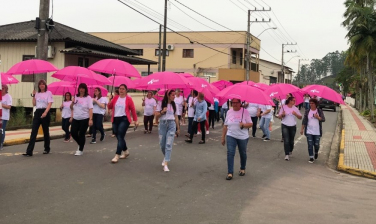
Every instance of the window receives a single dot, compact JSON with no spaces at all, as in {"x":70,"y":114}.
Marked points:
{"x":233,"y":57}
{"x":241,"y":58}
{"x":210,"y":74}
{"x":157,"y":52}
{"x":83,"y":62}
{"x":27,"y":78}
{"x":139,"y":51}
{"x":146,"y":73}
{"x":188,"y":53}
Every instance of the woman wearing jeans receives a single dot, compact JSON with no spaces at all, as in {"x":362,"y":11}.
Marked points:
{"x":254,"y":111}
{"x":312,"y":128}
{"x":235,"y":133}
{"x":266,"y":116}
{"x":149,"y":105}
{"x":99,"y":109}
{"x":6,"y":103}
{"x":199,"y":118}
{"x":42,"y":100}
{"x":82,"y":106}
{"x":66,"y":114}
{"x":168,"y":126}
{"x":122,"y":107}
{"x":288,"y":114}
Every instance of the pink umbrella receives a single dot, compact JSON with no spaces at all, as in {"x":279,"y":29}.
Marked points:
{"x":261,"y":86}
{"x":122,"y":80}
{"x":115,"y":67}
{"x":60,"y":88}
{"x":167,"y":80}
{"x":30,"y":67}
{"x":249,"y":83}
{"x":186,"y":75}
{"x":244,"y":93}
{"x":323,"y":92}
{"x":8,"y":79}
{"x":81,"y":75}
{"x":222,"y":84}
{"x":281,"y":90}
{"x":91,"y":89}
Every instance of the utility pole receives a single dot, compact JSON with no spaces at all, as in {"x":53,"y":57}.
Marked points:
{"x":42,"y":41}
{"x":249,"y":40}
{"x":164,"y":38}
{"x":159,"y":48}
{"x":298,"y":81}
{"x":282,"y":64}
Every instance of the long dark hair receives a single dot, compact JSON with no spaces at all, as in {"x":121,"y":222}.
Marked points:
{"x":165,"y":100}
{"x":65,"y":96}
{"x":289,"y":99}
{"x":42,"y":81}
{"x":82,"y":86}
{"x":100,"y":93}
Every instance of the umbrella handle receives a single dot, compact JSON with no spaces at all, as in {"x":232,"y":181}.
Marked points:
{"x":242,"y":118}
{"x":113,"y":82}
{"x":32,"y":95}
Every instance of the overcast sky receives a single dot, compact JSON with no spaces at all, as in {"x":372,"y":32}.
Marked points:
{"x":314,"y":24}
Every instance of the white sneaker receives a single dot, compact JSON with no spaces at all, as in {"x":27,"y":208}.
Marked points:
{"x":163,"y":162}
{"x":207,"y":132}
{"x":165,"y":169}
{"x":79,"y":153}
{"x":199,"y":133}
{"x":287,"y":158}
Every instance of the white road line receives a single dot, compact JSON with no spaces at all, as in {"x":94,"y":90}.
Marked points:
{"x":297,"y":140}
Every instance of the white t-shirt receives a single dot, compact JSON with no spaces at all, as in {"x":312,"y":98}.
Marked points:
{"x":224,"y":106}
{"x":43,"y":99}
{"x":232,"y":122}
{"x":120,"y":107}
{"x":159,"y":105}
{"x":283,"y":102}
{"x":66,"y":112}
{"x":179,"y":105}
{"x":81,"y":108}
{"x":289,"y":119}
{"x":149,"y":106}
{"x":252,"y":109}
{"x":313,"y":126}
{"x":306,"y":99}
{"x":191,"y":109}
{"x":169,"y":114}
{"x":264,"y":108}
{"x":7,"y":100}
{"x":211,"y":106}
{"x":99,"y":110}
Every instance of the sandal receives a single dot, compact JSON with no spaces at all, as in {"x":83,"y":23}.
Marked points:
{"x":229,"y":176}
{"x":241,"y":173}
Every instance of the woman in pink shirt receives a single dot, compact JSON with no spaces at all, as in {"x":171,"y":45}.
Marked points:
{"x":288,"y":113}
{"x":123,"y":108}
{"x":312,"y":128}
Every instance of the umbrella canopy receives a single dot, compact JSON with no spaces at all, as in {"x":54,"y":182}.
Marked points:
{"x":280,"y":90}
{"x":167,"y":80}
{"x":60,"y":88}
{"x":249,"y":83}
{"x":8,"y":79}
{"x":115,"y":67}
{"x":323,"y":92}
{"x":244,"y":93}
{"x":30,"y":67}
{"x":117,"y":81}
{"x":186,"y":75}
{"x":81,"y":75}
{"x":222,"y":84}
{"x":261,"y":86}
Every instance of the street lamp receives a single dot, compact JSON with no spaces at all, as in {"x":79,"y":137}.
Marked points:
{"x":292,"y":58}
{"x":274,"y":28}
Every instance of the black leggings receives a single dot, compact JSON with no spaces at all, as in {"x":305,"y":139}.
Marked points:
{"x":148,"y":122}
{"x":37,"y":121}
{"x":194,"y":129}
{"x":78,"y":131}
{"x":211,"y":118}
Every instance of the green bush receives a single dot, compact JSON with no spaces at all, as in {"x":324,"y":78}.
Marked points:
{"x":366,"y":113}
{"x":18,"y":118}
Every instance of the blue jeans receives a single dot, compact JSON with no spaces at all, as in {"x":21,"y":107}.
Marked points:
{"x":121,"y":125}
{"x":264,"y":125}
{"x":166,"y":129}
{"x":97,"y":125}
{"x":223,"y":114}
{"x":306,"y":105}
{"x":3,"y":135}
{"x":231,"y":149}
{"x":313,"y":141}
{"x":288,"y":133}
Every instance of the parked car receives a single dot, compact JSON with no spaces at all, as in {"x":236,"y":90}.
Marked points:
{"x":328,"y":104}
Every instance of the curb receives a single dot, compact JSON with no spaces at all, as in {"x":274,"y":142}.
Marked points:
{"x":341,"y":164}
{"x":332,"y":160}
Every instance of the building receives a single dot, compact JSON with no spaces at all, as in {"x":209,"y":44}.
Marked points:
{"x":67,"y":47}
{"x":217,"y":55}
{"x":270,"y":72}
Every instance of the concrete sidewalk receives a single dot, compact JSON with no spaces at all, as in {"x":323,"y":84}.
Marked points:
{"x":358,"y":145}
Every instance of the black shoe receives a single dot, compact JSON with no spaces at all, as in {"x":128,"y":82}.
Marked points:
{"x":188,"y":140}
{"x":27,"y":154}
{"x":282,"y":140}
{"x":316,"y":155}
{"x":213,"y":127}
{"x":254,"y":136}
{"x":46,"y":152}
{"x":263,"y":136}
{"x":93,"y":141}
{"x":241,"y":173}
{"x":102,"y":137}
{"x":311,"y":160}
{"x":266,"y":139}
{"x":229,"y":176}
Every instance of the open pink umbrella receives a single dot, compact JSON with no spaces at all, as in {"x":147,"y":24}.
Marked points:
{"x":8,"y":79}
{"x":249,"y":83}
{"x":222,"y":84}
{"x":62,"y":87}
{"x":115,"y":67}
{"x":91,"y":89}
{"x":244,"y":93}
{"x":261,"y":86}
{"x":81,"y":75}
{"x":323,"y":92}
{"x":280,"y":90}
{"x":30,"y":67}
{"x":122,"y":80}
{"x":167,"y":80}
{"x":186,"y":75}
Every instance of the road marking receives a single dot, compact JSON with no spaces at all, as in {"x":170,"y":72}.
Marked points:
{"x":297,"y":140}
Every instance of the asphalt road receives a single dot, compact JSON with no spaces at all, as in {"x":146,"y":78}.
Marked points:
{"x":62,"y":188}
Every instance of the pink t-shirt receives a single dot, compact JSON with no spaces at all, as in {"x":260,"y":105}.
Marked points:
{"x":313,"y":126}
{"x":232,"y":121}
{"x":82,"y":107}
{"x":289,"y":119}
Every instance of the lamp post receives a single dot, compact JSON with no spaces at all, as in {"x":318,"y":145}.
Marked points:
{"x":296,"y":56}
{"x":274,"y":28}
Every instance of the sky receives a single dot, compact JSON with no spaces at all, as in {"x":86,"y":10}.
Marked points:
{"x":315,"y":25}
